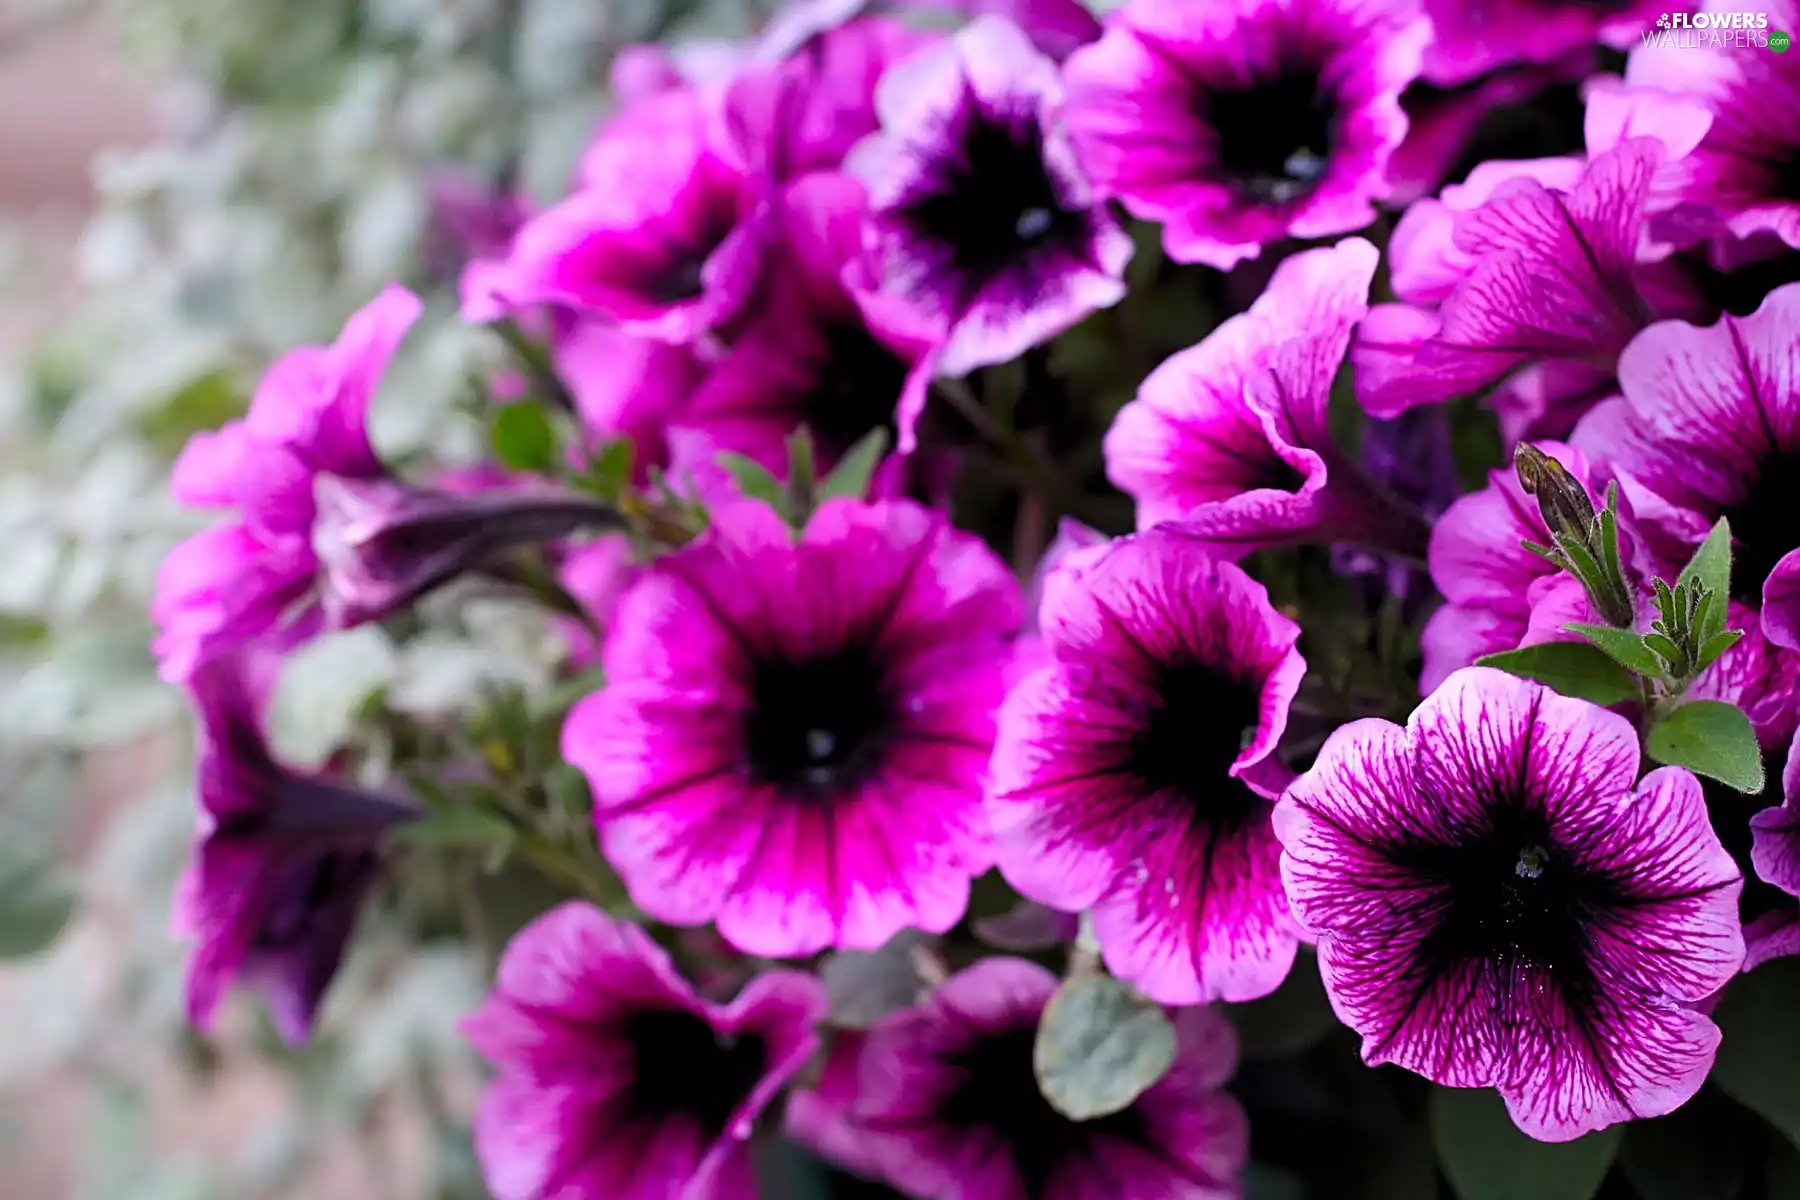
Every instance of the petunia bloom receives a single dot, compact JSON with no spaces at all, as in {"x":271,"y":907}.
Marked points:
{"x":793,"y":734}
{"x":1497,"y":905}
{"x":953,"y":1111}
{"x":1526,"y":264}
{"x":1135,"y":773}
{"x":1474,"y":37}
{"x":324,"y":537}
{"x":1709,"y":426}
{"x":981,"y":219}
{"x":1232,"y":437}
{"x":1240,"y":124}
{"x":282,"y":862}
{"x":615,"y":1081}
{"x":1744,"y":170}
{"x":1775,"y":857}
{"x":659,"y":236}
{"x":810,"y":355}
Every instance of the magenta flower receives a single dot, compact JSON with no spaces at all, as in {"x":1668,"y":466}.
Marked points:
{"x":820,"y":1118}
{"x":282,"y":862}
{"x":1744,"y":169}
{"x":1231,"y":437}
{"x":1239,"y":124}
{"x":1497,"y":907}
{"x":659,"y":235}
{"x":1476,"y":36}
{"x":1135,"y":773}
{"x":809,"y":355}
{"x":1775,"y":857}
{"x":803,"y":113}
{"x":625,"y":385}
{"x":982,"y":220}
{"x":1489,"y":581}
{"x":255,"y":577}
{"x":1529,"y":271}
{"x":953,"y":1111}
{"x":1709,"y":426}
{"x":616,"y":1082}
{"x":793,"y":734}
{"x":1056,"y":27}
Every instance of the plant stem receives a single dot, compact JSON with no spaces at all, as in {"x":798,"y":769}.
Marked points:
{"x":1035,"y":471}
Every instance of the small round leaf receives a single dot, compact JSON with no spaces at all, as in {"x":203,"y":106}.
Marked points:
{"x":1100,"y":1046}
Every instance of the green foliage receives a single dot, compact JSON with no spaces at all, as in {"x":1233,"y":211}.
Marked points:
{"x":36,"y":901}
{"x":523,"y":438}
{"x":1488,"y":1158}
{"x":1577,"y":669}
{"x":1759,"y":1056}
{"x":1711,"y":738}
{"x":856,"y":470}
{"x":1100,"y":1044}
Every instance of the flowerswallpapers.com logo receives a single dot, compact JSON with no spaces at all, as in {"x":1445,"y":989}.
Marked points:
{"x":1716,"y":31}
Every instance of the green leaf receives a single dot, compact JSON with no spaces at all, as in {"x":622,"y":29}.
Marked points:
{"x":206,"y":402}
{"x":1716,"y":645}
{"x":1696,"y":1152}
{"x":462,"y":827}
{"x":1711,"y":738}
{"x":855,"y":470}
{"x":752,"y":478}
{"x":1287,"y":1021}
{"x":1578,"y":669}
{"x":1622,"y":646}
{"x":1711,"y":567}
{"x":1663,"y":646}
{"x":523,"y":437}
{"x":36,"y":901}
{"x":864,"y":986}
{"x":610,"y":472}
{"x":1488,"y":1158}
{"x":1759,"y":1056}
{"x":1100,"y":1045}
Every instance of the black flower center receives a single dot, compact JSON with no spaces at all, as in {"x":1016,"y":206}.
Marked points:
{"x":311,"y":896}
{"x":1765,"y":524}
{"x":1201,"y":724}
{"x":1513,"y":898}
{"x":820,"y":725}
{"x":1275,"y":136}
{"x":993,"y":203}
{"x":859,"y":385}
{"x":681,"y":1066}
{"x":997,"y":1090}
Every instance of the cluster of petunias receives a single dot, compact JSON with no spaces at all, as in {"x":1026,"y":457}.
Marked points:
{"x":829,"y":707}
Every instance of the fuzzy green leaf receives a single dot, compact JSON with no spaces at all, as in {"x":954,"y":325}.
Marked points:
{"x":1711,"y":738}
{"x":1711,"y":568}
{"x":1488,"y":1158}
{"x":36,"y":901}
{"x":1622,"y":646}
{"x":1578,"y":669}
{"x":1716,"y":645}
{"x":523,"y":437}
{"x":1759,"y":1057}
{"x":752,"y":478}
{"x":856,"y":469}
{"x":1100,"y":1046}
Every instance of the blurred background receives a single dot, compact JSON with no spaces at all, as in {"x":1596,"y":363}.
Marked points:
{"x":188,"y":188}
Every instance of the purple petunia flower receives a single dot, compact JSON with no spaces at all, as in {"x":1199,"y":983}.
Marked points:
{"x":1232,"y":436}
{"x":820,"y":1117}
{"x":1744,"y":170}
{"x":1475,"y":36}
{"x":255,"y":577}
{"x":1775,"y":857}
{"x":1489,"y":581}
{"x":1134,"y":774}
{"x":660,"y":235}
{"x":324,"y":537}
{"x":810,"y":355}
{"x":1709,"y":426}
{"x":803,"y":113}
{"x":793,"y":734}
{"x":282,"y":862}
{"x":981,"y":219}
{"x":1056,"y":27}
{"x":1527,"y":263}
{"x":1497,"y":907}
{"x":952,"y":1109}
{"x":626,"y":386}
{"x":616,"y":1082}
{"x":1239,"y":124}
